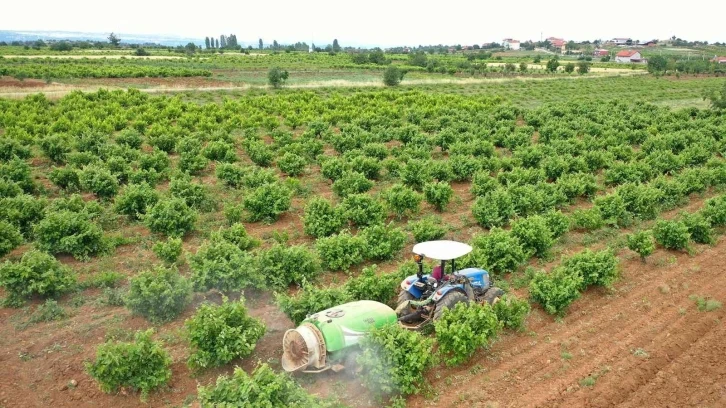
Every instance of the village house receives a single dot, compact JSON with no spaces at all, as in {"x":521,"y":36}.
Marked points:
{"x":558,"y":43}
{"x":600,"y":53}
{"x":719,"y":60}
{"x":629,"y":57}
{"x":621,"y":41}
{"x":510,"y":44}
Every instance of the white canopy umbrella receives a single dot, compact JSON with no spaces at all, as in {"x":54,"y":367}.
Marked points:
{"x":441,"y":250}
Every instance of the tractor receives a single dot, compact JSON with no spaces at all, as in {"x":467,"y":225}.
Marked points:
{"x":424,"y":297}
{"x":325,"y":340}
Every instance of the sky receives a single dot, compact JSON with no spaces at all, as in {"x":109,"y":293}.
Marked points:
{"x":377,"y":22}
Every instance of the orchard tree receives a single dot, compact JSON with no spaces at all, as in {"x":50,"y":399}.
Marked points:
{"x":583,"y":67}
{"x":718,"y":98}
{"x":277,"y":77}
{"x":392,"y":76}
{"x":553,"y":64}
{"x":114,"y":40}
{"x":570,"y":68}
{"x":657,"y":63}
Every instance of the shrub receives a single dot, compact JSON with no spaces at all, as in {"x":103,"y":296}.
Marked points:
{"x":220,"y":333}
{"x":231,"y":174}
{"x":369,"y":285}
{"x":220,"y":150}
{"x":714,"y":211}
{"x":642,"y":243}
{"x":10,"y":237}
{"x":589,"y":219}
{"x":671,"y":234}
{"x":612,"y":208}
{"x":382,"y":242}
{"x":428,"y":229}
{"x":37,"y":273}
{"x":104,"y":279}
{"x":340,"y":251}
{"x":699,"y":228}
{"x":363,"y":210}
{"x":483,"y":184}
{"x":237,"y":234}
{"x":392,"y":76}
{"x":284,"y":265}
{"x":534,"y":234}
{"x":291,"y":164}
{"x":130,"y":138}
{"x":641,"y":200}
{"x":277,"y":77}
{"x":135,"y":199}
{"x":99,"y":180}
{"x":70,"y":233}
{"x":368,"y":166}
{"x":195,"y":195}
{"x":438,"y":194}
{"x":23,"y":211}
{"x":65,"y":178}
{"x":385,"y":359}
{"x":402,"y":200}
{"x":494,"y":209}
{"x":321,"y":219}
{"x":333,"y":168}
{"x":56,"y":147}
{"x":158,"y":294}
{"x":168,"y":251}
{"x":512,"y":311}
{"x":464,"y":329}
{"x":9,"y":189}
{"x":595,"y":267}
{"x":465,"y":167}
{"x":48,"y":312}
{"x":171,"y":217}
{"x":259,"y":153}
{"x":555,"y":290}
{"x":498,"y":251}
{"x":262,"y":388}
{"x":416,"y":173}
{"x":267,"y":202}
{"x":351,"y":183}
{"x":257,"y":177}
{"x":18,"y":171}
{"x":140,"y":365}
{"x":309,"y":300}
{"x":192,"y":163}
{"x":222,"y":265}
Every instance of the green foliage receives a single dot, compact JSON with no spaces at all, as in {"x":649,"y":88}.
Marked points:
{"x":56,"y":147}
{"x":18,"y":171}
{"x":714,"y":210}
{"x":291,"y":164}
{"x":222,"y":265}
{"x":402,"y":200}
{"x":10,"y":237}
{"x":553,"y":64}
{"x":65,"y":178}
{"x":220,"y":333}
{"x":438,"y":194}
{"x":557,"y":222}
{"x":392,"y":76}
{"x":277,"y":77}
{"x":699,"y":228}
{"x":104,"y":279}
{"x":494,"y":209}
{"x":589,"y":219}
{"x":483,"y":183}
{"x":140,"y":365}
{"x":195,"y":195}
{"x":99,"y":180}
{"x":23,"y":211}
{"x":429,"y":228}
{"x":416,"y":173}
{"x":37,"y":273}
{"x":260,"y":153}
{"x":382,"y":242}
{"x":717,"y":98}
{"x":220,"y":150}
{"x":237,"y":235}
{"x":642,"y":243}
{"x":267,"y":202}
{"x":362,"y":210}
{"x":48,"y":312}
{"x":569,"y":67}
{"x":671,"y":234}
{"x":534,"y":234}
{"x":370,"y":285}
{"x":321,"y":219}
{"x":341,"y":251}
{"x":512,"y":311}
{"x":464,"y":329}
{"x":171,"y":217}
{"x":69,"y":232}
{"x":135,"y":199}
{"x":595,"y":267}
{"x":351,"y":182}
{"x":555,"y":290}
{"x":231,"y":174}
{"x":387,"y":363}
{"x":130,"y":138}
{"x":168,"y":251}
{"x":498,"y":251}
{"x":281,"y":265}
{"x":612,"y":208}
{"x":158,"y":294}
{"x":309,"y":300}
{"x":263,"y":388}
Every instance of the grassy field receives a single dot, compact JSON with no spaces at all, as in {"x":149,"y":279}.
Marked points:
{"x":536,"y":169}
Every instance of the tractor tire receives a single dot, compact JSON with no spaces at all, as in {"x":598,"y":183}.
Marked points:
{"x":448,"y":302}
{"x":493,"y":295}
{"x":404,"y":296}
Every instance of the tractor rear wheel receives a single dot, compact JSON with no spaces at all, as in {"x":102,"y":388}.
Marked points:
{"x":448,"y":302}
{"x":404,"y":296}
{"x":493,"y":295}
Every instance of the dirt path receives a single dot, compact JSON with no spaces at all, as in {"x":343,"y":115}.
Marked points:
{"x":644,"y":344}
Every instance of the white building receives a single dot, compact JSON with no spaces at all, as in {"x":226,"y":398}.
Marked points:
{"x":621,"y":41}
{"x":510,"y":44}
{"x":628,"y":57}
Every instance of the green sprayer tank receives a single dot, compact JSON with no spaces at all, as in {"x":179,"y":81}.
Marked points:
{"x":324,"y":338}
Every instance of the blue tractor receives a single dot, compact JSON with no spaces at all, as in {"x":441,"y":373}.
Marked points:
{"x":424,"y":297}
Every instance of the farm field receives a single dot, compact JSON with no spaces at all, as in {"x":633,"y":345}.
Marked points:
{"x":254,"y":193}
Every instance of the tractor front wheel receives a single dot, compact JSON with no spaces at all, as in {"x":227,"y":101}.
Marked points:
{"x":448,"y":302}
{"x":493,"y":295}
{"x":404,"y":296}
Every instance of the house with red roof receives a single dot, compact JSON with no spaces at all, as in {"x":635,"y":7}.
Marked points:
{"x":558,"y":43}
{"x":601,"y":53}
{"x":719,"y":60}
{"x":628,"y":57}
{"x":510,"y":44}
